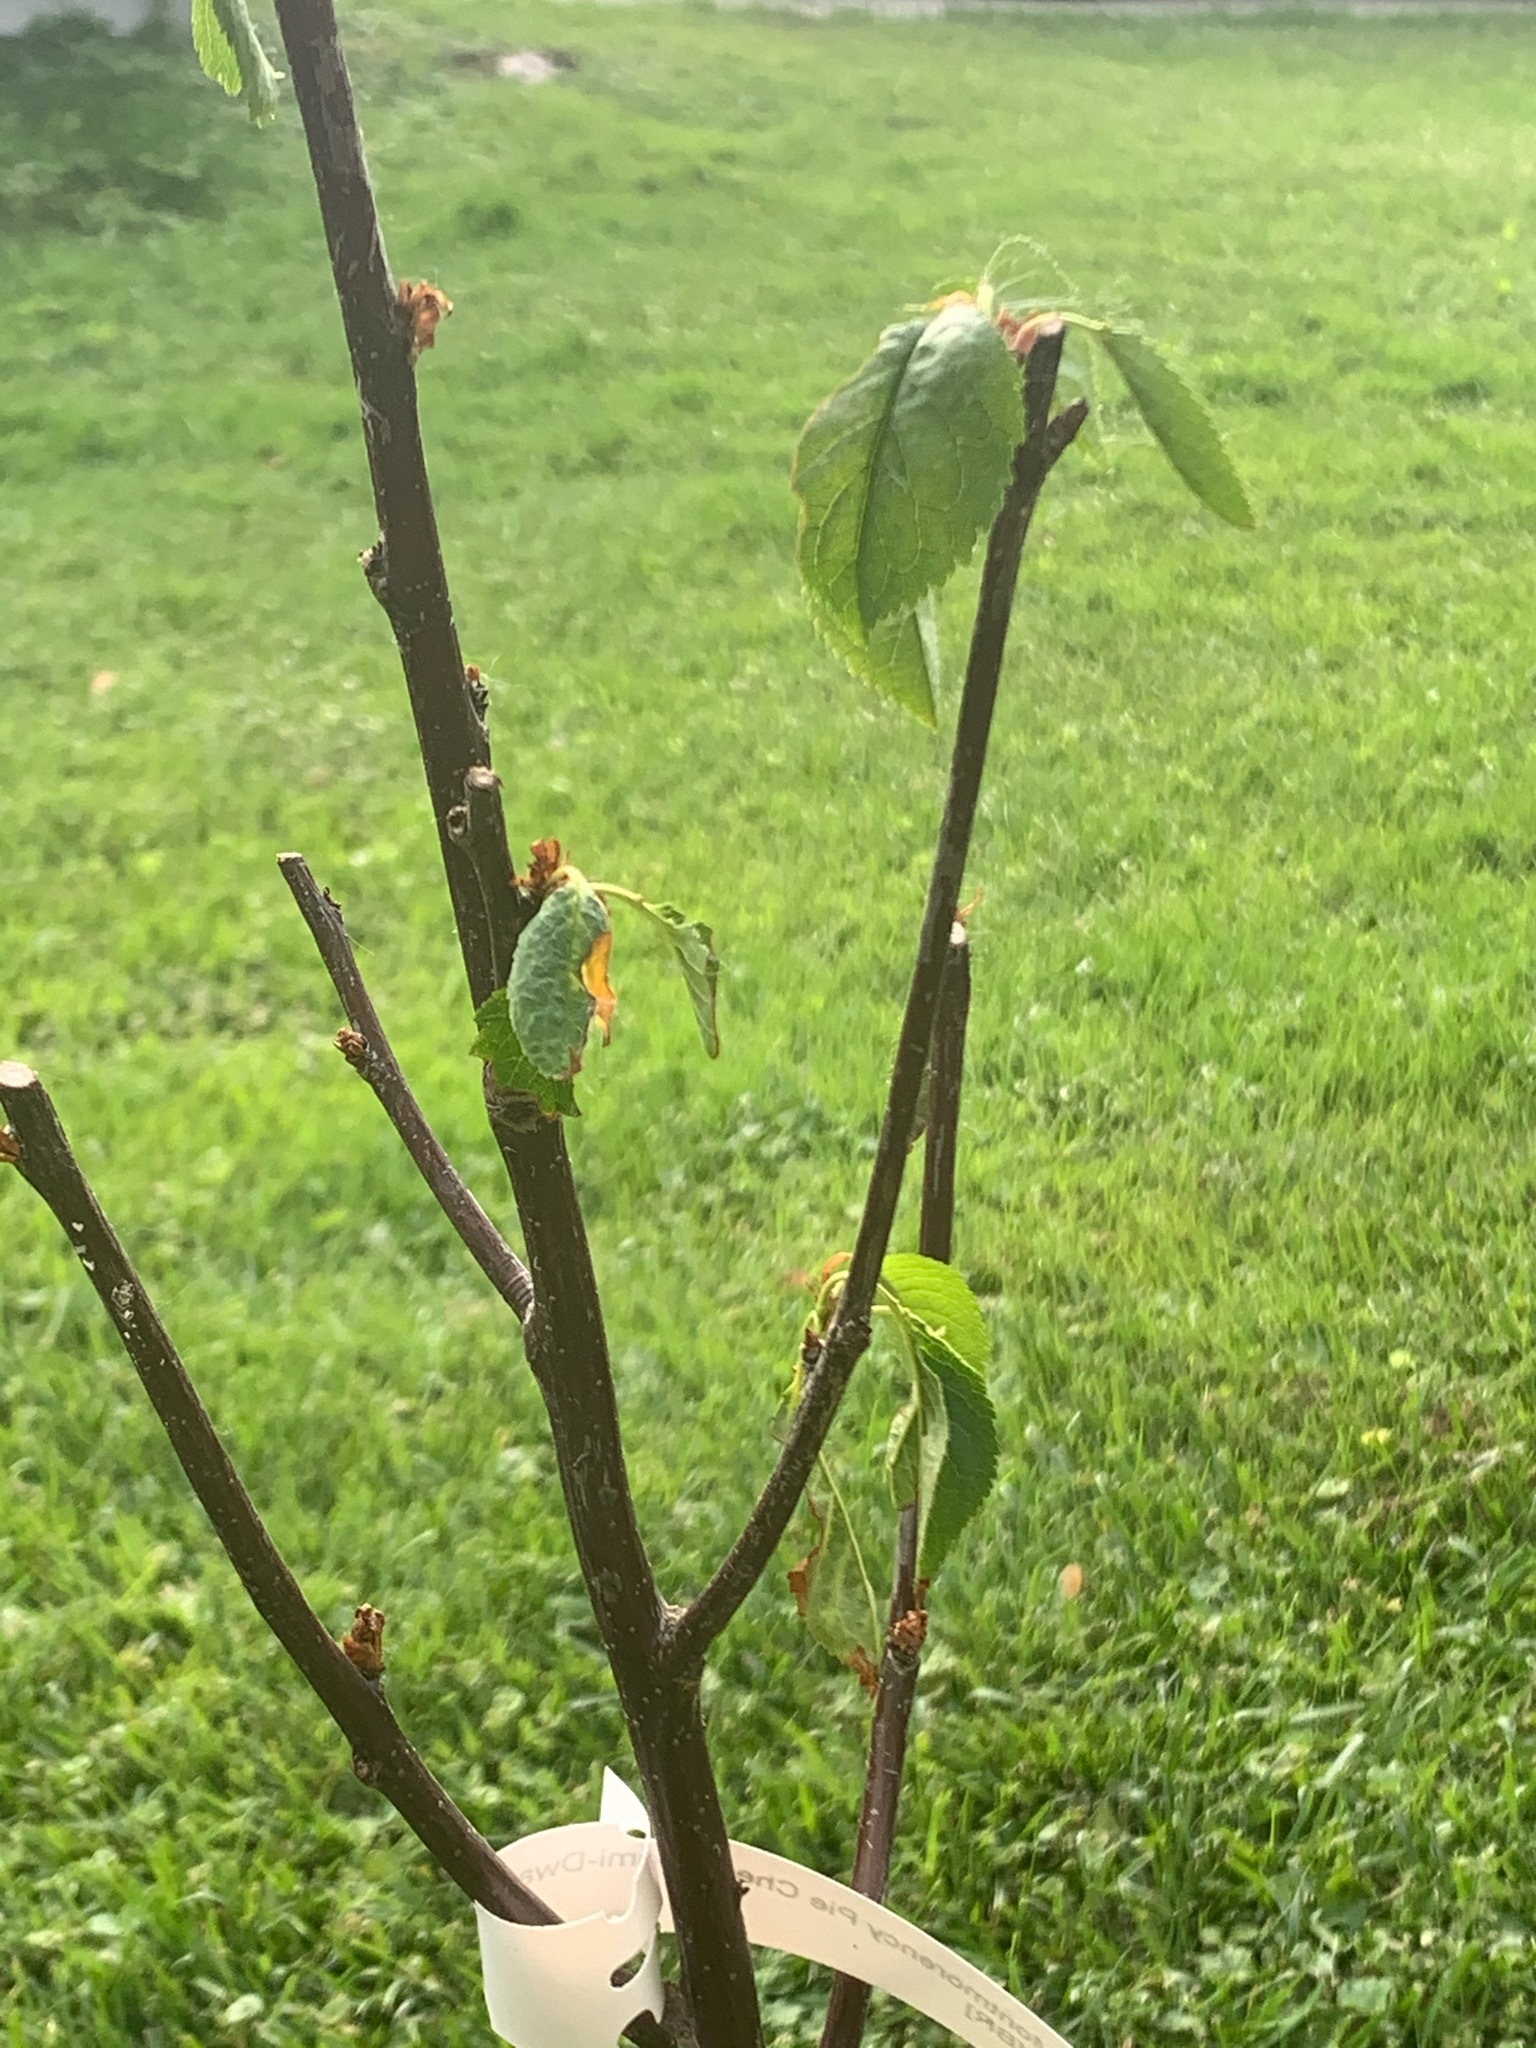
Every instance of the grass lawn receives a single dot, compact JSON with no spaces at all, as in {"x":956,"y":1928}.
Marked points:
{"x":1248,"y":1170}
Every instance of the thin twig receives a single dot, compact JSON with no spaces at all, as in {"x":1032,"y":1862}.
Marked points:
{"x":382,"y":1756}
{"x":1046,"y":440}
{"x":848,"y":2005}
{"x":367,"y":1049}
{"x":405,"y":569}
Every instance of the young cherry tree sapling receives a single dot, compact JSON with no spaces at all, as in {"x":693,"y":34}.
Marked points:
{"x":947,"y":433}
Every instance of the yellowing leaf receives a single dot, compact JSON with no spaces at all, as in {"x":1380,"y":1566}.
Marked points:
{"x":550,"y":1004}
{"x":594,"y":979}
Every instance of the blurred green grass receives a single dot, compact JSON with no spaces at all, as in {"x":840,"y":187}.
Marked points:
{"x":1247,"y":1169}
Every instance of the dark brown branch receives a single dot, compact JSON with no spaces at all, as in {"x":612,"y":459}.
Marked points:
{"x":1045,"y":441}
{"x":382,"y":1756}
{"x":369,"y":1051}
{"x":946,"y":1076}
{"x":405,"y":569}
{"x":479,"y":825}
{"x":848,"y":2005}
{"x":564,"y":1334}
{"x":568,"y":1350}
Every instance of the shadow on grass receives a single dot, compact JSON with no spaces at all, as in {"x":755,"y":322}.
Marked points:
{"x":103,"y":134}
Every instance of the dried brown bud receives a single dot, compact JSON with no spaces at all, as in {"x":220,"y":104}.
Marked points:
{"x":10,"y":1147}
{"x":424,"y":306}
{"x":911,"y":1632}
{"x":547,"y":861}
{"x":352,"y":1046}
{"x":1021,"y":335}
{"x":364,"y":1641}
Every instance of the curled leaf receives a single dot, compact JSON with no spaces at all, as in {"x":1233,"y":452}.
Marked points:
{"x":832,"y":1589}
{"x":515,"y":1072}
{"x":594,"y":979}
{"x":550,"y":1004}
{"x":693,"y":947}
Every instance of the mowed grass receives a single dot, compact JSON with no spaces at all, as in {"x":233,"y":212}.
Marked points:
{"x":1248,"y":1172}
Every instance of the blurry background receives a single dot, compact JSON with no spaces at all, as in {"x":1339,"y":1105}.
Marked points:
{"x":1247,"y":1171}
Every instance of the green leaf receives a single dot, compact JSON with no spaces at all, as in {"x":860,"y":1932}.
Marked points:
{"x":550,"y":1003}
{"x":832,"y":1588}
{"x":937,"y":1295}
{"x":919,"y":1441}
{"x":952,"y":1348}
{"x":215,"y":52}
{"x":1180,"y":423}
{"x":900,"y":657}
{"x":969,"y":1468}
{"x":693,"y":944}
{"x":228,"y":50}
{"x":904,"y":466}
{"x":515,"y":1072}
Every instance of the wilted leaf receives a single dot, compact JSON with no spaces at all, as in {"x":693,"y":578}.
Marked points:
{"x":833,"y":1592}
{"x":898,"y":473}
{"x":693,"y":945}
{"x":228,"y":50}
{"x":515,"y":1072}
{"x":594,"y":979}
{"x":550,"y":1004}
{"x":1183,"y":428}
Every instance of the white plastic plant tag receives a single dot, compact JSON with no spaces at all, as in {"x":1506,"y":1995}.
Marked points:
{"x":545,"y":1993}
{"x":552,"y":1987}
{"x":788,"y":1907}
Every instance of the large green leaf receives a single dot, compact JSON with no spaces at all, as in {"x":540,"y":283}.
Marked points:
{"x":515,"y":1072}
{"x":937,"y":1295}
{"x":951,"y":1347}
{"x":228,"y":50}
{"x":693,"y":945}
{"x":899,"y":657}
{"x":905,"y":465}
{"x":969,"y":1468}
{"x":550,"y":1002}
{"x":1180,"y":423}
